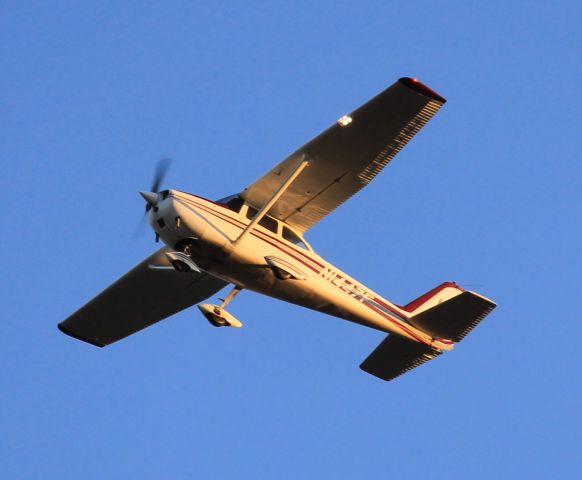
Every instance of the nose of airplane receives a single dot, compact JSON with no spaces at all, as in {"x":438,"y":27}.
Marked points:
{"x":150,"y":197}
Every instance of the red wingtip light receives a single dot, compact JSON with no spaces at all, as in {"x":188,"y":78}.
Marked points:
{"x":421,"y":88}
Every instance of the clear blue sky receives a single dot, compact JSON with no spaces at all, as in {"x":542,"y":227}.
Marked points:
{"x":488,"y":194}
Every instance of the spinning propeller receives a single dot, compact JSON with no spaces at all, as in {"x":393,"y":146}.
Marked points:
{"x":151,"y":196}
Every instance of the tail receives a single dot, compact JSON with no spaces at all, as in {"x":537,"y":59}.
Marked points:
{"x":446,"y":312}
{"x":437,"y":295}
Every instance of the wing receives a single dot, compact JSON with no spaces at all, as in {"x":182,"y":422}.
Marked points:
{"x":140,"y":298}
{"x":348,"y":155}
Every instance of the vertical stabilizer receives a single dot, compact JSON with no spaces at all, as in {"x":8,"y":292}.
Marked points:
{"x":442,"y":293}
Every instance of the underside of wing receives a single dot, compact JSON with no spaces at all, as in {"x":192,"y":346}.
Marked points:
{"x":145,"y":295}
{"x":348,"y":155}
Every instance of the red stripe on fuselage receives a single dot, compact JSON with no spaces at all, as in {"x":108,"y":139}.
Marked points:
{"x":242,"y":225}
{"x":388,"y":307}
{"x":258,"y":234}
{"x":397,"y":323}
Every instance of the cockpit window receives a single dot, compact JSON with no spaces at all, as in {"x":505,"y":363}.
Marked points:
{"x":292,"y":237}
{"x":267,"y":222}
{"x":234,"y":203}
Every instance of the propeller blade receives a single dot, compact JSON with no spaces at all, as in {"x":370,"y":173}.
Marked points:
{"x":140,"y":228}
{"x":161,"y":169}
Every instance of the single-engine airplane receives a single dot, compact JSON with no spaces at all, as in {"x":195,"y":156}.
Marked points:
{"x":254,"y":241}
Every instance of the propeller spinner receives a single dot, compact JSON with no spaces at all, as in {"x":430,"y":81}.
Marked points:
{"x":151,"y":197}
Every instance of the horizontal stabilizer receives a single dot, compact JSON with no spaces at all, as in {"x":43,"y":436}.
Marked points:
{"x":395,"y":356}
{"x":453,"y":318}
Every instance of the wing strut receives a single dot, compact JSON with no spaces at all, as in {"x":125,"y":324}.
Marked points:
{"x":267,"y":206}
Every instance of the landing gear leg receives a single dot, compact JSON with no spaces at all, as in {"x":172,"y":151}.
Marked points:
{"x":230,"y":296}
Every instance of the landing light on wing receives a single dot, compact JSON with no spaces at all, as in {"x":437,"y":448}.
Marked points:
{"x":345,"y":121}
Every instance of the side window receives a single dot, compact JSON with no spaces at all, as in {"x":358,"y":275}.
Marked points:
{"x":269,"y":223}
{"x":266,"y":222}
{"x":293,"y":238}
{"x":251,"y":212}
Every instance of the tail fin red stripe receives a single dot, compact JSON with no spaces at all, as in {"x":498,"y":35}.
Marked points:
{"x":428,"y":295}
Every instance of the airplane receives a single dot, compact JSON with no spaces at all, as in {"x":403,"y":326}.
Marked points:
{"x":254,"y":240}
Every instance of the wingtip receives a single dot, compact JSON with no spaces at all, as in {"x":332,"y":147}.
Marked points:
{"x":68,"y":332}
{"x":416,"y":85}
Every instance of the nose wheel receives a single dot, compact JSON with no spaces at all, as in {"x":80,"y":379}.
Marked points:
{"x":217,"y":315}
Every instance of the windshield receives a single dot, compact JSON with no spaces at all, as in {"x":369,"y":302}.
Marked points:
{"x":232,"y":202}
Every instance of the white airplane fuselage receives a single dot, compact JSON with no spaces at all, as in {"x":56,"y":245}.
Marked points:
{"x":211,"y":228}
